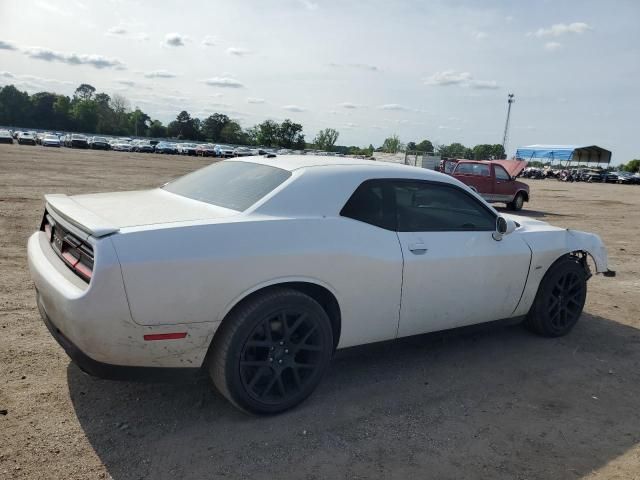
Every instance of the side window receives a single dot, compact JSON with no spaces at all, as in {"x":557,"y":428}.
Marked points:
{"x":372,"y":203}
{"x":478,"y":169}
{"x":501,"y":173}
{"x":434,"y":207}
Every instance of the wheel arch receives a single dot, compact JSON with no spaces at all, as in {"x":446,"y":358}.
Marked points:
{"x":524,"y":193}
{"x":319,"y":291}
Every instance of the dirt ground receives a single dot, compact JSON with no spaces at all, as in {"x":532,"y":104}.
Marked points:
{"x":494,"y":402}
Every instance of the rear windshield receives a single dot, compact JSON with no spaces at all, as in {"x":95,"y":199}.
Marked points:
{"x":234,"y":185}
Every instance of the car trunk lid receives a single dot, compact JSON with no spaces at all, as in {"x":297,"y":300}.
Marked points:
{"x":102,"y":214}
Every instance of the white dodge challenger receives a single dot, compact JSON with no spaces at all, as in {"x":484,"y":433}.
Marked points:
{"x":258,"y":269}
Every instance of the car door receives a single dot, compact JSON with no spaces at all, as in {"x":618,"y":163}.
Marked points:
{"x":477,"y":176}
{"x":455,"y":273}
{"x":504,"y":187}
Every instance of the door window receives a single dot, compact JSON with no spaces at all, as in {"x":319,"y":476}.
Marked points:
{"x":437,"y":207}
{"x":501,"y":173}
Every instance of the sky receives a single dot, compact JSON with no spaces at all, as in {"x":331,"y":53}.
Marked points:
{"x":437,"y":70}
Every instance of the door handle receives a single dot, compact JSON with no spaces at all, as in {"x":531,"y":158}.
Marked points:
{"x":418,"y":247}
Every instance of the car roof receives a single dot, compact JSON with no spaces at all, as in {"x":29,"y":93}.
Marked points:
{"x":296,"y":162}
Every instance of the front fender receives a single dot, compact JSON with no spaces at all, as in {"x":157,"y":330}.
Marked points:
{"x":590,"y":243}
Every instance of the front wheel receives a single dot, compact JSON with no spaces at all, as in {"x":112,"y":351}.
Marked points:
{"x":271,"y":352}
{"x":560,"y":299}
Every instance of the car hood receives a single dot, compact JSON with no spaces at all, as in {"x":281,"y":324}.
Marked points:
{"x":107,"y":212}
{"x":513,"y":167}
{"x":527,"y":224}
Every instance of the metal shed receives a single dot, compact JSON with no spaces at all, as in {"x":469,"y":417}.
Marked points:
{"x":565,"y":153}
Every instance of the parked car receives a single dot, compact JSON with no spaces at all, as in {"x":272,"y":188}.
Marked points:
{"x":50,"y":141}
{"x":242,"y":152}
{"x":5,"y":136}
{"x":206,"y":150}
{"x":187,"y":148}
{"x":223,"y":151}
{"x":592,"y":175}
{"x":350,"y":252}
{"x":493,"y":181}
{"x":144,"y":146}
{"x":120,"y":145}
{"x":26,"y":138}
{"x":76,"y":141}
{"x":99,"y":143}
{"x":166,"y":147}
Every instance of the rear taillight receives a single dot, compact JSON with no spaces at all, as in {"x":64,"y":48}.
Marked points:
{"x":75,"y":253}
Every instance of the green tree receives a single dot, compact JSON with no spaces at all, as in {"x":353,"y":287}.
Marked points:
{"x":392,"y":144}
{"x":43,"y":112}
{"x":232,"y":133}
{"x":157,"y":129}
{"x":84,"y":92}
{"x":139,"y":123}
{"x":289,"y":135}
{"x":425,"y":146}
{"x":411,"y":146}
{"x":15,"y":107}
{"x":267,"y":133}
{"x":498,"y":152}
{"x":326,"y":139}
{"x":85,"y":116}
{"x":632,"y":166}
{"x":455,"y":150}
{"x":212,"y":126}
{"x":61,"y":110}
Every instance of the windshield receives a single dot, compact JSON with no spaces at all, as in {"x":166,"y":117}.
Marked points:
{"x":234,"y":185}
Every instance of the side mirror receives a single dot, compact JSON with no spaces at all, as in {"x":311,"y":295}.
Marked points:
{"x":503,"y":227}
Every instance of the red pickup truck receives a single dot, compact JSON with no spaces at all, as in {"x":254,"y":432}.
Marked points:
{"x":494,"y":180}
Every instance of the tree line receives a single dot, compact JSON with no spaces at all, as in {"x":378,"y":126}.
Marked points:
{"x":90,"y":111}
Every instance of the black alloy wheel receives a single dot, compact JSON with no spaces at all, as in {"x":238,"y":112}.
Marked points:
{"x":271,"y":351}
{"x":560,"y":299}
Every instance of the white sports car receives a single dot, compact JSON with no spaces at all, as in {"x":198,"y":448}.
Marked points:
{"x":256,"y":269}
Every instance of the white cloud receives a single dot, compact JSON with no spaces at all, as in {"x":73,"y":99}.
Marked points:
{"x":255,"y":100}
{"x":175,"y":39}
{"x":463,"y":79}
{"x":118,"y":30}
{"x":551,"y":46}
{"x":351,"y":125}
{"x":224,"y":82}
{"x":350,"y":106}
{"x":7,"y":45}
{"x":484,"y":84}
{"x":97,"y":61}
{"x":160,"y":74}
{"x":393,"y":106}
{"x":128,"y":83}
{"x":143,"y":37}
{"x":238,"y":51}
{"x":209,"y":41}
{"x":7,"y":75}
{"x":448,"y":77}
{"x":294,"y":108}
{"x":561,"y":29}
{"x":309,"y":5}
{"x":480,"y":35}
{"x":358,"y":66}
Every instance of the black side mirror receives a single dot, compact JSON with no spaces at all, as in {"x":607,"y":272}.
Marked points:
{"x":501,"y":225}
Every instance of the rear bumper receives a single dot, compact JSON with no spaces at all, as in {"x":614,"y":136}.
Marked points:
{"x":93,"y":323}
{"x":106,"y":370}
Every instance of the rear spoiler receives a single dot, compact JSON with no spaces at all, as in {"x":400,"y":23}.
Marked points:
{"x":78,"y":216}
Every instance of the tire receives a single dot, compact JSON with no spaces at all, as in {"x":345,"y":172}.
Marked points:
{"x":517,"y":204}
{"x":560,"y":299}
{"x":271,"y":352}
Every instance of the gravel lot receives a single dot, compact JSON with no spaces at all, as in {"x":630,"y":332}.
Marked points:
{"x":494,"y":402}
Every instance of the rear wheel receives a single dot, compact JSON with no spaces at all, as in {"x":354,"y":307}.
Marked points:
{"x":560,"y":299}
{"x":271,"y":352}
{"x":517,"y":203}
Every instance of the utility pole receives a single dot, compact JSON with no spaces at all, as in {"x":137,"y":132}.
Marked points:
{"x":510,"y":100}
